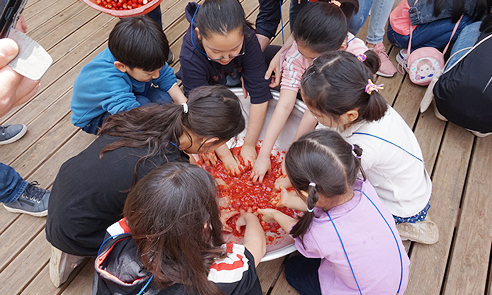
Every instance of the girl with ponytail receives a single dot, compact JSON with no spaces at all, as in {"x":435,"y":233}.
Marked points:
{"x":339,"y":92}
{"x":347,"y":237}
{"x":91,"y":188}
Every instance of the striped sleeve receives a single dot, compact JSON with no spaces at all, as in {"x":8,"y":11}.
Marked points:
{"x":235,"y":273}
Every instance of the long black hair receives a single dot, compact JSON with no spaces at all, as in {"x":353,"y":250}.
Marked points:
{"x":173,"y":216}
{"x":322,"y":26}
{"x":321,"y":163}
{"x":336,"y":83}
{"x":213,"y":111}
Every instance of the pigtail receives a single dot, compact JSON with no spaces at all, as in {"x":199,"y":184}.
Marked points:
{"x":349,"y":7}
{"x":357,"y":152}
{"x":304,"y":222}
{"x":376,"y":107}
{"x":372,"y":61}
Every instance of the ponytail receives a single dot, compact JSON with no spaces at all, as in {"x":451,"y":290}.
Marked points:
{"x":336,"y":83}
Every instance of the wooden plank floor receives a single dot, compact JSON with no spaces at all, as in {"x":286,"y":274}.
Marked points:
{"x":73,"y":33}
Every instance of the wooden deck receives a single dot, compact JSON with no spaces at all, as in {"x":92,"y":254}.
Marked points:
{"x":73,"y":34}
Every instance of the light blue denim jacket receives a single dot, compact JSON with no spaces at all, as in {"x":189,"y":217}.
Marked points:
{"x":422,"y":12}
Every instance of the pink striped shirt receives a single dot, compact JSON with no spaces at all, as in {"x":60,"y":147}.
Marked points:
{"x":294,"y":64}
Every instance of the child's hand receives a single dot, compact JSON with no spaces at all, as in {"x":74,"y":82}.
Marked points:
{"x":282,"y":182}
{"x":268,"y":215}
{"x":261,"y":167}
{"x":244,"y":219}
{"x":210,"y":159}
{"x":232,"y":166}
{"x":224,"y":216}
{"x":248,"y":153}
{"x":274,"y":70}
{"x":245,"y":92}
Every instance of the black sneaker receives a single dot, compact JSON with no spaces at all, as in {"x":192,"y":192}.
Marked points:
{"x":11,"y":133}
{"x":33,"y":201}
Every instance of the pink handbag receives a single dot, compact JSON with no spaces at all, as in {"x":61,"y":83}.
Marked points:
{"x":426,"y":62}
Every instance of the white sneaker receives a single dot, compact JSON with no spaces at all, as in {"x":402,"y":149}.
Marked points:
{"x":425,"y":232}
{"x":61,"y":265}
{"x":479,"y":134}
{"x":401,"y":59}
{"x":436,"y":112}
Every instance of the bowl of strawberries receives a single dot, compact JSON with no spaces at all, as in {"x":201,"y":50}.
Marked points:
{"x":124,"y":8}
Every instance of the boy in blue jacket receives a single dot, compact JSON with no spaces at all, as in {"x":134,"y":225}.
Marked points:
{"x":131,"y":72}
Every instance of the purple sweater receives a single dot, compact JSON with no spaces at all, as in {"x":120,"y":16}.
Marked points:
{"x":368,"y":241}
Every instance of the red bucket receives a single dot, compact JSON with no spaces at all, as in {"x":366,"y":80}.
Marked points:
{"x":125,"y":13}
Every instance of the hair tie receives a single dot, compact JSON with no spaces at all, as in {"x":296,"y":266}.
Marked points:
{"x":336,"y":3}
{"x":310,"y":210}
{"x":370,"y":87}
{"x":185,"y":107}
{"x":312,"y":184}
{"x":361,"y":57}
{"x":353,"y":152}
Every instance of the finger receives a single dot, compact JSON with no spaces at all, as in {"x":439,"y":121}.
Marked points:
{"x":26,"y":85}
{"x":269,"y":72}
{"x":253,"y":176}
{"x":260,"y":179}
{"x":8,"y":51}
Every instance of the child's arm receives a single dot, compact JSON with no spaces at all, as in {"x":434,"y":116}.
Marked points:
{"x":274,"y":66}
{"x":284,"y":107}
{"x":308,"y":123}
{"x":230,"y":163}
{"x":177,"y":95}
{"x":254,"y":236}
{"x":272,"y":215}
{"x":256,"y":118}
{"x":291,"y":200}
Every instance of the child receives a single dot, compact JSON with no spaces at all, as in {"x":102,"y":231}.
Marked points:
{"x":347,"y":237}
{"x":338,"y":91}
{"x":179,"y":248}
{"x":131,"y":72}
{"x":319,"y":27}
{"x":90,"y":189}
{"x":220,"y":48}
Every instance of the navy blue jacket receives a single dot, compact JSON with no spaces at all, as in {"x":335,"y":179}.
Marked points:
{"x":196,"y":70}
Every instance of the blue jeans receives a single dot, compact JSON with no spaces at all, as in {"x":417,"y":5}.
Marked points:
{"x":380,"y":11}
{"x":434,"y":34}
{"x":151,"y":95}
{"x":467,"y":38}
{"x":302,"y":274}
{"x":11,"y":184}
